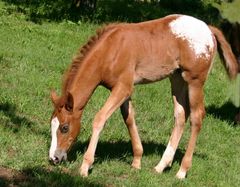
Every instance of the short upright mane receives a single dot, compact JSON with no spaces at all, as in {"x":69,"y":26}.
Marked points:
{"x":83,"y":51}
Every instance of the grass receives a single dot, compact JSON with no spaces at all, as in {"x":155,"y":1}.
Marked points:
{"x":33,"y":58}
{"x":230,"y":9}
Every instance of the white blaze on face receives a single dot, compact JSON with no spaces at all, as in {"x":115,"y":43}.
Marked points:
{"x":54,"y":128}
{"x":196,"y":32}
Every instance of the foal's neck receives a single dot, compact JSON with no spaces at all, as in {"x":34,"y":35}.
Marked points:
{"x":85,"y":82}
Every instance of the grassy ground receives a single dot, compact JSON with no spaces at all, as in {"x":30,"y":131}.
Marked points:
{"x":33,"y":58}
{"x":229,"y":10}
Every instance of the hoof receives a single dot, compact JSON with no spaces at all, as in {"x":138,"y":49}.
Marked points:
{"x":83,"y":171}
{"x":158,"y":169}
{"x":136,"y":164}
{"x":181,"y":174}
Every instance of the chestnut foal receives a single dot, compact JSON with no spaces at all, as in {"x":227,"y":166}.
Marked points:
{"x":121,"y":55}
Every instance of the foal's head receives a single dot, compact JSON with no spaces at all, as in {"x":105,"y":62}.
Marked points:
{"x":65,"y":126}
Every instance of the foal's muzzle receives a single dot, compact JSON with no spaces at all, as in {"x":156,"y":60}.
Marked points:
{"x":58,"y":157}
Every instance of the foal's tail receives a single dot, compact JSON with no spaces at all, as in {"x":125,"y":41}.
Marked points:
{"x":225,"y":53}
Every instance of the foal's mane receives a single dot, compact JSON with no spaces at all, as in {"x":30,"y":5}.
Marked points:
{"x":82,"y":53}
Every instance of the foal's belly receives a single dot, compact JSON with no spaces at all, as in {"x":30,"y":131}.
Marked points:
{"x":152,"y":72}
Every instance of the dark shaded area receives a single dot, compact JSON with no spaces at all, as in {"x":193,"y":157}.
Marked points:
{"x":225,"y":112}
{"x":111,"y":10}
{"x":16,"y":120}
{"x":120,"y":150}
{"x":41,"y":177}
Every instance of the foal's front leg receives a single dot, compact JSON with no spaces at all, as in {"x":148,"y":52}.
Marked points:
{"x":128,"y":116}
{"x":118,"y":95}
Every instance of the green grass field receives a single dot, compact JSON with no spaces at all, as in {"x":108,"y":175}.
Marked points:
{"x":33,"y":58}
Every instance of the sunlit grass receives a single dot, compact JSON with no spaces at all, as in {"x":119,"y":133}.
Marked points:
{"x":230,"y":10}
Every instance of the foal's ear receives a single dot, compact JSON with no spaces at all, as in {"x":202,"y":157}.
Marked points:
{"x":69,"y":102}
{"x":54,"y":97}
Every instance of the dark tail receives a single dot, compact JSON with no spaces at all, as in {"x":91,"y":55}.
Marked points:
{"x":225,"y":53}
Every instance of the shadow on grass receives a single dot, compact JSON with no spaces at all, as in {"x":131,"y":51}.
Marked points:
{"x":225,"y":112}
{"x":38,"y":176}
{"x":15,"y":121}
{"x":112,"y":10}
{"x":120,"y":150}
{"x":41,"y":177}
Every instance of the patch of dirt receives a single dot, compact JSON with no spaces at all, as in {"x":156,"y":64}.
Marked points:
{"x":10,"y":177}
{"x":28,"y":176}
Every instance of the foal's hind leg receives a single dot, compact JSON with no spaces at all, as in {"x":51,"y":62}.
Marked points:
{"x":181,"y":112}
{"x":128,"y":116}
{"x":197,"y":113}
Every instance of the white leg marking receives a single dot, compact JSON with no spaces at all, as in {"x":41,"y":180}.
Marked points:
{"x":167,"y":159}
{"x":54,"y":128}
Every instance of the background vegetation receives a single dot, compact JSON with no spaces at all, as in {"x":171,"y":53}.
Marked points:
{"x":37,"y":42}
{"x":113,"y":10}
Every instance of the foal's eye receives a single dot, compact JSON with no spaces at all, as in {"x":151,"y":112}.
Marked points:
{"x":64,"y":128}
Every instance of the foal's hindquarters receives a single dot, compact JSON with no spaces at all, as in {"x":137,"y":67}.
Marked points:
{"x":187,"y":91}
{"x":188,"y":99}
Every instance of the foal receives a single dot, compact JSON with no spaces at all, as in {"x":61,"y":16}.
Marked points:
{"x":118,"y":57}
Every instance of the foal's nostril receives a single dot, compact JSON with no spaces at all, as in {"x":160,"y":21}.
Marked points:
{"x":58,"y":157}
{"x":54,"y":160}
